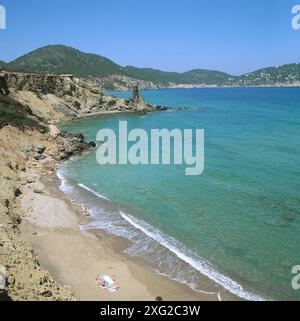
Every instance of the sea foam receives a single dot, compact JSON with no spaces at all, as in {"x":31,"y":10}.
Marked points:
{"x":94,"y":192}
{"x":190,"y":258}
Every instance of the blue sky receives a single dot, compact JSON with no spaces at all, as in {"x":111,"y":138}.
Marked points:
{"x":234,"y":36}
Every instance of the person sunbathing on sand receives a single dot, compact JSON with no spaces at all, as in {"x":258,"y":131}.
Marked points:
{"x":107,"y":283}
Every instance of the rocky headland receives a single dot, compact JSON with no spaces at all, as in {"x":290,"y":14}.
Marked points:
{"x":57,"y":98}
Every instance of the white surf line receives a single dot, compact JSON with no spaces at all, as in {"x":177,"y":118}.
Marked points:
{"x":167,"y":241}
{"x":92,"y":191}
{"x":186,"y":283}
{"x":159,"y":237}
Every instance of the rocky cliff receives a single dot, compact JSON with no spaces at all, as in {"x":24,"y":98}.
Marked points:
{"x":23,"y":152}
{"x":56,"y":98}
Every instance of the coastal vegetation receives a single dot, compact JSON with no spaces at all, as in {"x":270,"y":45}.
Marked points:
{"x":67,"y":60}
{"x":15,"y":114}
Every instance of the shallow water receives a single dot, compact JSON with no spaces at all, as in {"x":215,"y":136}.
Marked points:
{"x":239,"y":222}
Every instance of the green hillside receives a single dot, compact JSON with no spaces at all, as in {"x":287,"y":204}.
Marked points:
{"x":62,"y":60}
{"x":209,"y":77}
{"x":66,"y":60}
{"x":197,"y":76}
{"x":281,"y":74}
{"x":2,"y":64}
{"x":154,"y":75}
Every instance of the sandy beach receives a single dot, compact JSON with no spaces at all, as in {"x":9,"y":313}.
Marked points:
{"x":73,"y":257}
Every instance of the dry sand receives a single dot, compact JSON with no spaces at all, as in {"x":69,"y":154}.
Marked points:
{"x":74,"y":257}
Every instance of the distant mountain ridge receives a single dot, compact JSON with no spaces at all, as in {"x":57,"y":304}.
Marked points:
{"x":61,"y":59}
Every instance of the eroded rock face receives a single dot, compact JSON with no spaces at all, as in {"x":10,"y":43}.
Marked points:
{"x":21,"y":276}
{"x":74,"y":93}
{"x":40,"y":83}
{"x":56,"y":98}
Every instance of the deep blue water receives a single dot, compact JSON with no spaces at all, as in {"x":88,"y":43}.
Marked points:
{"x":238,"y":222}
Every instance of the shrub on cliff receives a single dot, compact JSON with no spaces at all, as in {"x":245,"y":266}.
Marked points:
{"x":15,"y":114}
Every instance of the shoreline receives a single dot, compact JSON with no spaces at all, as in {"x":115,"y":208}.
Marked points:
{"x":205,"y":87}
{"x":95,"y":252}
{"x":224,"y":294}
{"x":110,"y":113}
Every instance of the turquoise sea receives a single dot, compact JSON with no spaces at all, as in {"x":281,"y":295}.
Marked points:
{"x":238,"y":223}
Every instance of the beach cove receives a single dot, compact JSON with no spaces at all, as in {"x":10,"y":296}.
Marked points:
{"x":192,"y":238}
{"x":51,"y":226}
